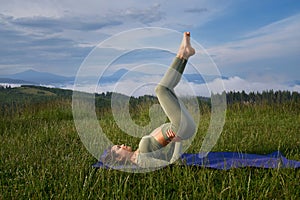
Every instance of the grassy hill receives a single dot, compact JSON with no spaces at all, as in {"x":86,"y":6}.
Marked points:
{"x":42,"y":156}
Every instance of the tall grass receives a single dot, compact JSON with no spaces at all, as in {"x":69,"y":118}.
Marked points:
{"x":42,"y":157}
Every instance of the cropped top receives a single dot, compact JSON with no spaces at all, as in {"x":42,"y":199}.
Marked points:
{"x":150,"y":148}
{"x":149,"y":143}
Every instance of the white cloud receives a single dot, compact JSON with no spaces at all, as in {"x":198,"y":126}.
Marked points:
{"x":29,"y":8}
{"x":146,"y":85}
{"x":279,"y":41}
{"x":239,"y":84}
{"x":132,"y":13}
{"x":56,"y":35}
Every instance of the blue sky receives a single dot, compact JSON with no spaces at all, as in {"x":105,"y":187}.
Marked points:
{"x":250,"y":41}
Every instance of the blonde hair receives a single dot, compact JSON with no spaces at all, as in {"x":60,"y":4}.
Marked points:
{"x":111,"y":158}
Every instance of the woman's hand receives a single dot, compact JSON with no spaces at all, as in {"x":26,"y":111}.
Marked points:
{"x":170,"y":134}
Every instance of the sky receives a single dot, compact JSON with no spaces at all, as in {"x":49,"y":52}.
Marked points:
{"x":256,"y":44}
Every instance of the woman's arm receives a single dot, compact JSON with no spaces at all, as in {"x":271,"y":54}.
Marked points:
{"x":172,"y":136}
{"x":178,"y":145}
{"x":177,"y":152}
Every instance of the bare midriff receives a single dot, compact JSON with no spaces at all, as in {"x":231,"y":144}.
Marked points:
{"x":158,"y":135}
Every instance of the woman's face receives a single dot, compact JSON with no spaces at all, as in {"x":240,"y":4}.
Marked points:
{"x":122,"y":151}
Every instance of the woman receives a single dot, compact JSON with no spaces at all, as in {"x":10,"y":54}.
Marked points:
{"x":181,"y":126}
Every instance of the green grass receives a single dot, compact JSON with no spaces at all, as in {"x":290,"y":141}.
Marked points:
{"x":42,"y":157}
{"x":35,"y":91}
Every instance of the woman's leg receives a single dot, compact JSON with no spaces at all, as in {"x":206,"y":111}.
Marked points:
{"x":172,"y":106}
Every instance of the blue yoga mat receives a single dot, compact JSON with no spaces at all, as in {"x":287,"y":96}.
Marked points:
{"x":229,"y":160}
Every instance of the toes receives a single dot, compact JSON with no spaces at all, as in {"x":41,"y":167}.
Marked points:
{"x":187,"y":34}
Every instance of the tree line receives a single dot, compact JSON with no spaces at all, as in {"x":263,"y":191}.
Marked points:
{"x":269,"y":97}
{"x":16,"y":96}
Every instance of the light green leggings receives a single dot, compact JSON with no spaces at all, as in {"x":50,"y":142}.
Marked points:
{"x":182,"y":123}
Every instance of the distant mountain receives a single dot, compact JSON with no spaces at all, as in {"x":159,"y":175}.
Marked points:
{"x":117,"y":75}
{"x":15,"y":81}
{"x":293,"y":83}
{"x":43,"y":78}
{"x":195,"y":78}
{"x":114,"y":77}
{"x":34,"y":77}
{"x":199,"y":79}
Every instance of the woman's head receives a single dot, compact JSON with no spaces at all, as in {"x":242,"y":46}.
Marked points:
{"x":117,"y":154}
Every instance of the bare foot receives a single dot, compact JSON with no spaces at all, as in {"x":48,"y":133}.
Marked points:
{"x":185,"y":50}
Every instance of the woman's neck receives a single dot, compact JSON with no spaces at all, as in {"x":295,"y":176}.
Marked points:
{"x":134,"y":157}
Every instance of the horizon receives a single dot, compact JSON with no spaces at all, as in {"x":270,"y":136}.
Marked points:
{"x":200,"y":89}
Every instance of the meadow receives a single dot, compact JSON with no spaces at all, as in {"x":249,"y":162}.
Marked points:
{"x":42,"y":156}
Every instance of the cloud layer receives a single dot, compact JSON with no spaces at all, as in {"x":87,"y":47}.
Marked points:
{"x":146,"y":85}
{"x":271,"y":50}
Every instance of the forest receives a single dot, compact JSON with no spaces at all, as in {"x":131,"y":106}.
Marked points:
{"x":11,"y":97}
